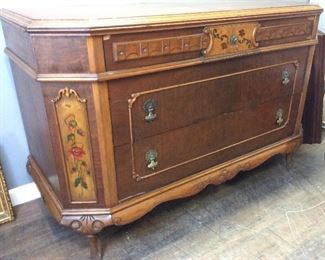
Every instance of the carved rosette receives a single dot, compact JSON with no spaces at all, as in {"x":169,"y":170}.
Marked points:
{"x":72,"y":118}
{"x":87,"y":224}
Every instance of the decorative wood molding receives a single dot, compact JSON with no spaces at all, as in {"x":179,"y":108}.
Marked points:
{"x":134,"y":96}
{"x":118,"y":74}
{"x":86,"y":224}
{"x":215,"y":40}
{"x":68,"y":92}
{"x":149,"y":22}
{"x":72,"y":118}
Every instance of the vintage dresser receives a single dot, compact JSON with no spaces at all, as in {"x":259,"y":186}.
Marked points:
{"x":126,"y":108}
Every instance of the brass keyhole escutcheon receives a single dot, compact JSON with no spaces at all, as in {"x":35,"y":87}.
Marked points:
{"x":285,"y":77}
{"x":233,"y":40}
{"x":279,"y":117}
{"x":150,"y":110}
{"x":151,"y":158}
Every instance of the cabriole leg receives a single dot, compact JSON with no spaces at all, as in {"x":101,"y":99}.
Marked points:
{"x":95,"y":247}
{"x":288,"y":160}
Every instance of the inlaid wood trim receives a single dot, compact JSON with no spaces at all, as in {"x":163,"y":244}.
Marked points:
{"x":215,"y":40}
{"x":275,"y":32}
{"x":118,"y":74}
{"x":135,"y":96}
{"x":72,"y":119}
{"x":131,"y":50}
{"x":230,"y":38}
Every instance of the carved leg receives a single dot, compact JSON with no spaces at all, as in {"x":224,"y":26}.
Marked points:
{"x":95,"y":247}
{"x":89,"y":226}
{"x":288,"y":160}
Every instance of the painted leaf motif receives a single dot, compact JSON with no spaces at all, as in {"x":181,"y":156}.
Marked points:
{"x":73,"y":123}
{"x":80,"y":132}
{"x":77,"y":181}
{"x":71,"y":137}
{"x":84,"y":184}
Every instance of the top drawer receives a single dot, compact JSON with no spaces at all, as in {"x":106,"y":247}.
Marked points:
{"x":206,"y":41}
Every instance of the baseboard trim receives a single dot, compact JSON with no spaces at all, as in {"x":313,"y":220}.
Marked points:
{"x":24,"y":193}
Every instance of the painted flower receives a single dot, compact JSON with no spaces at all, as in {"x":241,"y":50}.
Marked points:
{"x":241,"y":32}
{"x":77,"y":152}
{"x":224,"y":45}
{"x":71,"y":122}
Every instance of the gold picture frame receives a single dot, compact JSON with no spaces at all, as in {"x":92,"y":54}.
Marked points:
{"x":6,"y":212}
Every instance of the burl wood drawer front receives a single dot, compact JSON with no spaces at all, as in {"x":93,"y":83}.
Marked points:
{"x":208,"y":40}
{"x":158,"y":160}
{"x":153,"y":104}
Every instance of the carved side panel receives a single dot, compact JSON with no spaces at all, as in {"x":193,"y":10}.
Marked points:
{"x":71,"y":112}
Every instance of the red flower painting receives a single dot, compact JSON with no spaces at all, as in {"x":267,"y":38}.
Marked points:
{"x":79,"y":165}
{"x":77,"y":152}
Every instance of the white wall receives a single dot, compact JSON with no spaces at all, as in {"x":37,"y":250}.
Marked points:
{"x":322,"y":18}
{"x":13,"y":145}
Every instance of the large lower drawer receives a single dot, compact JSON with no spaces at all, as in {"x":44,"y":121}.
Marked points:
{"x":156,"y":161}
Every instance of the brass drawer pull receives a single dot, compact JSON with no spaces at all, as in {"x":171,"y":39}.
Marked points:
{"x":285,"y":77}
{"x":279,"y":117}
{"x":150,"y":109}
{"x":151,"y":157}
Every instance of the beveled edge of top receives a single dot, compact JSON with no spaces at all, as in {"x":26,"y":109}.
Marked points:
{"x":133,"y":22}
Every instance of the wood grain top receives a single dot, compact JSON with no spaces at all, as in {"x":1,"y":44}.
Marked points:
{"x":113,"y":16}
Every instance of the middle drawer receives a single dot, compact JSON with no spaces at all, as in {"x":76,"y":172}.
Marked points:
{"x":146,"y":113}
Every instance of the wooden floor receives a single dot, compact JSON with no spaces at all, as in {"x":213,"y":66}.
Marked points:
{"x":267,"y":213}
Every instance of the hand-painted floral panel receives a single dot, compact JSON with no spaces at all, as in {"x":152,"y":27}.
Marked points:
{"x":74,"y":129}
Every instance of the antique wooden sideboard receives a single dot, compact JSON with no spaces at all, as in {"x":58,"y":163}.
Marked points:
{"x":125,"y":112}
